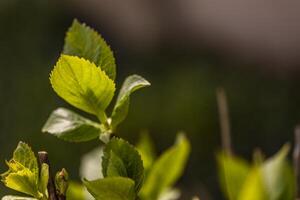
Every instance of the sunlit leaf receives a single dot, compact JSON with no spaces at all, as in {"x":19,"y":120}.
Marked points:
{"x":82,"y":84}
{"x":23,"y":173}
{"x":131,"y":84}
{"x":253,"y":187}
{"x":233,"y":172}
{"x":83,"y":41}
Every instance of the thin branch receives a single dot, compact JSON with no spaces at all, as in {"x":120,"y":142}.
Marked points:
{"x":224,"y":120}
{"x":43,"y":157}
{"x":296,"y":157}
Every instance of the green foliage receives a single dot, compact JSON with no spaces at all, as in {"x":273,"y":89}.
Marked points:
{"x":77,"y":191}
{"x":166,"y":170}
{"x":82,"y":84}
{"x":233,"y":172}
{"x":146,"y":149}
{"x":23,"y":173}
{"x":83,"y":41}
{"x":44,"y":177}
{"x":84,"y":77}
{"x":131,"y":84}
{"x":266,"y":180}
{"x":122,"y":159}
{"x":71,"y":127}
{"x":112,"y":188}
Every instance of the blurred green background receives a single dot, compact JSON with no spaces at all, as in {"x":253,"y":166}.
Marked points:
{"x":185,"y":70}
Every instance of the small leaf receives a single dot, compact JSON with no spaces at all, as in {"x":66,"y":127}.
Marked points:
{"x":23,"y":181}
{"x":112,"y":188}
{"x":253,"y":187}
{"x":146,"y":149}
{"x":116,"y":166}
{"x":233,"y":172}
{"x":82,"y":84}
{"x":25,"y":156}
{"x":278,"y":176}
{"x":166,"y":170}
{"x":10,"y":197}
{"x":131,"y":84}
{"x":272,"y":180}
{"x":70,"y":126}
{"x":124,"y":156}
{"x":77,"y":191}
{"x":83,"y":41}
{"x":44,"y":177}
{"x":22,"y":175}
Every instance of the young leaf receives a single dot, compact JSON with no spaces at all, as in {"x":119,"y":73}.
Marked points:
{"x":253,"y":187}
{"x":146,"y":149}
{"x":82,"y":84}
{"x":124,"y":161}
{"x":23,"y":181}
{"x":44,"y":177}
{"x":112,"y":188}
{"x":83,"y":41}
{"x":25,"y":156}
{"x":116,"y":166}
{"x":22,"y":175}
{"x":131,"y":84}
{"x":233,"y":172}
{"x":278,"y":176}
{"x":10,"y":197}
{"x":77,"y":191}
{"x":70,"y":126}
{"x":166,"y":170}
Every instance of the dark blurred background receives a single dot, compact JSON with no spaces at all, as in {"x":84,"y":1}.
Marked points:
{"x":186,"y":49}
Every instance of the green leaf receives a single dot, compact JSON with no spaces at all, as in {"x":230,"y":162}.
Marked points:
{"x":82,"y":84}
{"x":131,"y":84}
{"x":278,"y":176}
{"x":233,"y":172}
{"x":23,"y":181}
{"x":166,"y":170}
{"x":146,"y":149}
{"x":10,"y":197}
{"x":83,"y":41}
{"x":77,"y":191}
{"x":253,"y":187}
{"x":271,"y":180}
{"x":44,"y":177}
{"x":25,"y":156}
{"x":22,"y":175}
{"x":116,"y":167}
{"x":70,"y":126}
{"x":121,"y":158}
{"x":112,"y":188}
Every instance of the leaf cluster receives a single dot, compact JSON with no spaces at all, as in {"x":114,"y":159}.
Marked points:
{"x":270,"y":179}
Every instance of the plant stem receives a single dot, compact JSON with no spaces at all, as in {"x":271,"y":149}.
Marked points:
{"x":224,"y":120}
{"x":296,"y":157}
{"x":43,"y":157}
